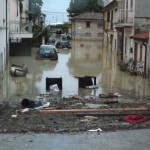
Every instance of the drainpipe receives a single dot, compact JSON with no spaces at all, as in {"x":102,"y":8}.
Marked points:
{"x":145,"y":63}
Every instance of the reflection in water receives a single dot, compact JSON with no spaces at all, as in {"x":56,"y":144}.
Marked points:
{"x":85,"y":59}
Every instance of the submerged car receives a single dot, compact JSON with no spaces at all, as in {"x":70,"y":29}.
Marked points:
{"x":18,"y":70}
{"x":63,"y":44}
{"x":47,"y":52}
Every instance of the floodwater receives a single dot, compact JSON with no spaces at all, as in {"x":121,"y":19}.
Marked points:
{"x":90,"y":59}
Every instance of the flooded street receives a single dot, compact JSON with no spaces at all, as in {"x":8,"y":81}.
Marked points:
{"x":90,"y":59}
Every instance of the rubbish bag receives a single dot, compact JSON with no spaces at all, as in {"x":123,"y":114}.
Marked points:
{"x":26,"y":103}
{"x":54,"y":88}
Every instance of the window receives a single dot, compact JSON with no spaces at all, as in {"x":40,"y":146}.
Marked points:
{"x":88,"y":24}
{"x":131,"y":5}
{"x":100,"y":23}
{"x":99,"y":34}
{"x":88,"y":34}
{"x":140,"y":52}
{"x":108,"y":16}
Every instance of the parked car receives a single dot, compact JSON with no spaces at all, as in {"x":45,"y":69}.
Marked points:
{"x":65,"y":37}
{"x":59,"y":31}
{"x":63,"y":44}
{"x":47,"y":52}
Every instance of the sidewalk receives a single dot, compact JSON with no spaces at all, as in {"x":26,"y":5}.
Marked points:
{"x":121,"y":140}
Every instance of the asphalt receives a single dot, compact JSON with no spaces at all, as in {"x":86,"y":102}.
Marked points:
{"x":121,"y":140}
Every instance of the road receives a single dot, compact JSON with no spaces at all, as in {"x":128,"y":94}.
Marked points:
{"x":90,"y":59}
{"x":121,"y":140}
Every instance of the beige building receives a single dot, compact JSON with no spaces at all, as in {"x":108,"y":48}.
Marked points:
{"x":87,"y":26}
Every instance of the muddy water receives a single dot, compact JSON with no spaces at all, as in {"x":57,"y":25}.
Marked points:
{"x":84,"y":59}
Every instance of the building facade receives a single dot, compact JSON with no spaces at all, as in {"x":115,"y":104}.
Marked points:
{"x":87,"y":26}
{"x":124,"y":18}
{"x":20,"y":28}
{"x":4,"y":32}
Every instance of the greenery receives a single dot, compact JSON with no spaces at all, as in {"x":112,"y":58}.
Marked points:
{"x":129,"y":67}
{"x":35,"y":8}
{"x":77,"y":7}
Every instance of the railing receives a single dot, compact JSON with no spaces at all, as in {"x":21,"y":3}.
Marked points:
{"x":123,"y":16}
{"x":21,"y":27}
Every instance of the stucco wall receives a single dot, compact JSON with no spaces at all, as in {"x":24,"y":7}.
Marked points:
{"x":2,"y":36}
{"x":142,"y":8}
{"x":83,"y":33}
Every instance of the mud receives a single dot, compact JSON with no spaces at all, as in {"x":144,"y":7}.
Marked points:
{"x":33,"y":121}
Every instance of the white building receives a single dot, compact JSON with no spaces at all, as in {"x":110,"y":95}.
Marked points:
{"x":4,"y":42}
{"x":20,"y":28}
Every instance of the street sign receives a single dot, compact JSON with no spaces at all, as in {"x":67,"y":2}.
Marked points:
{"x":74,"y":32}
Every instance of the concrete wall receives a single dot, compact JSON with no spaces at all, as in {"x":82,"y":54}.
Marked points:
{"x":83,"y":33}
{"x":3,"y":36}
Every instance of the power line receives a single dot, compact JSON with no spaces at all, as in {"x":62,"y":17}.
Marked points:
{"x":55,"y":12}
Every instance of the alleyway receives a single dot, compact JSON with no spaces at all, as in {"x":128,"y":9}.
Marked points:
{"x":91,"y":59}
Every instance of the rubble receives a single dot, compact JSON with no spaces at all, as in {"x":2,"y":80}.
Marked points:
{"x":31,"y":120}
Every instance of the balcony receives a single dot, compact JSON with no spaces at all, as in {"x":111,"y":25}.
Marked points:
{"x":124,"y":18}
{"x":21,"y":29}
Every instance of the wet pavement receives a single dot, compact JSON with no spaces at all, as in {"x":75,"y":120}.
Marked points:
{"x":124,"y":140}
{"x":84,"y":59}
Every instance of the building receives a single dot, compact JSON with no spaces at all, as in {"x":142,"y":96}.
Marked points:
{"x":122,"y":19}
{"x":87,"y":26}
{"x":20,"y":28}
{"x":4,"y":32}
{"x":140,"y":49}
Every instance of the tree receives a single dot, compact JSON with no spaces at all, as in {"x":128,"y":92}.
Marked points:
{"x":77,"y":7}
{"x":35,"y":8}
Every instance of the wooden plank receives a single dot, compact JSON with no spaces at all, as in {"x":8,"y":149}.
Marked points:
{"x":94,"y":110}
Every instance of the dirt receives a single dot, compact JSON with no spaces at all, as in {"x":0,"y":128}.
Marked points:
{"x":33,"y":121}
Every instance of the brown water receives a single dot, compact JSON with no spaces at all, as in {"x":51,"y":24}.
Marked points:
{"x":87,"y":60}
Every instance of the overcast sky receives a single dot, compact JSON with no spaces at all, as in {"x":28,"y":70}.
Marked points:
{"x":55,"y":10}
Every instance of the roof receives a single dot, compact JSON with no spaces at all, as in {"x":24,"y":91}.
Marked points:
{"x":141,"y":36}
{"x":88,"y":16}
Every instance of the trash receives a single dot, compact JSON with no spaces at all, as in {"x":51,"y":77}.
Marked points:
{"x":96,"y":130}
{"x":17,"y":70}
{"x":52,"y":81}
{"x":110,"y":95}
{"x":91,"y":87}
{"x":54,"y":88}
{"x":86,"y":81}
{"x":45,"y":105}
{"x":135,"y":118}
{"x":87,"y":100}
{"x":61,"y":122}
{"x":91,"y":118}
{"x":38,"y":104}
{"x":77,"y":105}
{"x":67,"y":97}
{"x":117,"y":94}
{"x":14,"y":116}
{"x":25,"y":110}
{"x":95,"y":106}
{"x":110,"y":102}
{"x":26,"y":103}
{"x":71,"y":97}
{"x":84,"y":120}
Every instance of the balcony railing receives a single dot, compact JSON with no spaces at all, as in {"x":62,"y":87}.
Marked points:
{"x":21,"y":27}
{"x":124,"y":16}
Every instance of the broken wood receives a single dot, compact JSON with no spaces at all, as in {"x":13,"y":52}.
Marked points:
{"x":94,"y":110}
{"x":110,"y":114}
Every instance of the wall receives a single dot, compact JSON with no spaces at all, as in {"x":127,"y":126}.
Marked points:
{"x":3,"y":34}
{"x":142,"y":8}
{"x":81,"y":30}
